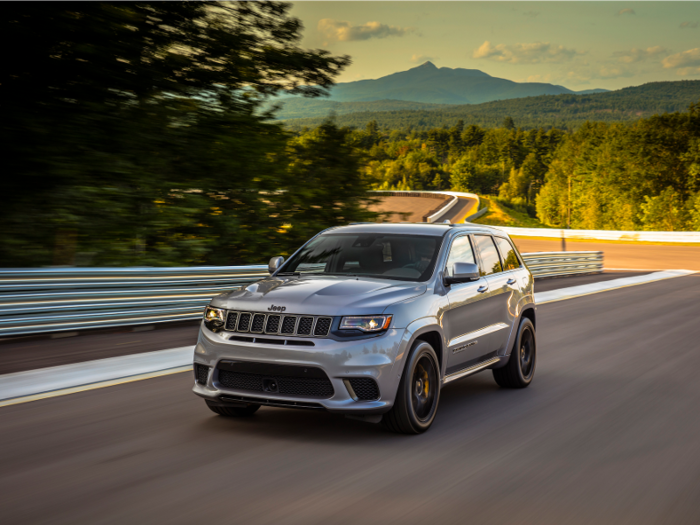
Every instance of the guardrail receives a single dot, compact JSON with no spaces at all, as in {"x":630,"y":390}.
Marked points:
{"x":47,"y":300}
{"x":556,"y":264}
{"x":64,"y":299}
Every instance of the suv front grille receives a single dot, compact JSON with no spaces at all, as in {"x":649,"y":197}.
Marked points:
{"x":288,"y":324}
{"x":244,"y":322}
{"x":258,"y":323}
{"x":305,"y":324}
{"x":323,"y":326}
{"x":231,"y":321}
{"x":276,"y":324}
{"x":273,"y":324}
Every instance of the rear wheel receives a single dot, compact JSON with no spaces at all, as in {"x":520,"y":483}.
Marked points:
{"x":232,"y":411}
{"x":418,"y":394}
{"x":520,"y":370}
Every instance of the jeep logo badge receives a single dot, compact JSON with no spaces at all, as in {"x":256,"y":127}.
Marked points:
{"x":274,"y":308}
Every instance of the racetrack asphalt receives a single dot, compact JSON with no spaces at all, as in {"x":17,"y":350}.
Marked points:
{"x":627,"y":255}
{"x":607,"y":433}
{"x":461,"y":210}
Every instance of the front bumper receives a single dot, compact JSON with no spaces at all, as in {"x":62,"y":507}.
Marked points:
{"x":377,"y":358}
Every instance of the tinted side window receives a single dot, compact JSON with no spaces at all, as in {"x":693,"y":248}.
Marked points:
{"x":489,"y":255}
{"x":508,"y":256}
{"x":461,"y":251}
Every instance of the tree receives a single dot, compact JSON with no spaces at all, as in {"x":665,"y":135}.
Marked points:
{"x":326,"y":187}
{"x":136,"y":131}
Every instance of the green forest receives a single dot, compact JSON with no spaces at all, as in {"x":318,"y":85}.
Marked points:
{"x":136,"y":134}
{"x":643,"y":175}
{"x":545,"y":111}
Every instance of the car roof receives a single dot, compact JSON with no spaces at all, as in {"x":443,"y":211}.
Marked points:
{"x":415,"y":228}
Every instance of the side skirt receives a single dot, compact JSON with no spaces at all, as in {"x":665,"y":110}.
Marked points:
{"x":469,"y":371}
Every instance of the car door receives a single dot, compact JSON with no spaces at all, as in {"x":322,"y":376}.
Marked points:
{"x":515,"y":284}
{"x":467,"y":314}
{"x":503,"y":291}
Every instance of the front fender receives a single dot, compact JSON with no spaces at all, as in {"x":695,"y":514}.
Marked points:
{"x":412,"y":332}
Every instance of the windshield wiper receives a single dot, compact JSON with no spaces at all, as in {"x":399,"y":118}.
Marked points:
{"x":295,"y":274}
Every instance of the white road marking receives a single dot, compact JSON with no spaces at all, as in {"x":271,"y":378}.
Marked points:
{"x":22,"y":387}
{"x":563,"y":294}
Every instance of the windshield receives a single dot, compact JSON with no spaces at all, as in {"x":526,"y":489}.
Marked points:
{"x":401,"y":257}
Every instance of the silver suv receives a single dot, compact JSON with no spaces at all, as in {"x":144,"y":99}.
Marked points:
{"x":371,"y":320}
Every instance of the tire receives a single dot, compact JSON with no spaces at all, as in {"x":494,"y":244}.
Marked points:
{"x":520,"y":370}
{"x":225,"y":411}
{"x":418,"y":394}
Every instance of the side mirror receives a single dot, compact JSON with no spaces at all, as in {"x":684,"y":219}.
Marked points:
{"x":274,"y":263}
{"x":463,"y":273}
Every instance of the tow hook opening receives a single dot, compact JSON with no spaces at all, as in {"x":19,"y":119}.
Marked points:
{"x":270,"y":385}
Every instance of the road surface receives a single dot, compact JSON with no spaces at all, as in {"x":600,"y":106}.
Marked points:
{"x":606,"y":434}
{"x":624,"y":255}
{"x":415,"y":208}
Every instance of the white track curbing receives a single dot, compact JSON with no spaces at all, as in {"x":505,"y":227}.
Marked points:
{"x":22,"y":387}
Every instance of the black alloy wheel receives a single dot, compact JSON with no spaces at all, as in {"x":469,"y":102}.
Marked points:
{"x":527,"y":354}
{"x":424,"y":386}
{"x":418,"y":394}
{"x":520,"y":369}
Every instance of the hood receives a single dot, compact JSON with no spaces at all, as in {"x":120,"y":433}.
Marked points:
{"x":319,"y":295}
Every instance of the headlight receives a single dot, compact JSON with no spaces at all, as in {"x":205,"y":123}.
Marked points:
{"x":213,"y":317}
{"x":366,"y":323}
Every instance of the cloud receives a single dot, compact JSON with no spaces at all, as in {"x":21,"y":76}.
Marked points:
{"x":690,"y":58}
{"x":638,"y":55}
{"x":344,"y":32}
{"x":688,"y":71}
{"x":605,"y":72}
{"x":585,"y":75}
{"x":531,"y":14}
{"x":627,"y":11}
{"x":420,"y":59}
{"x":539,"y":78}
{"x":688,"y":25}
{"x":534,"y":53}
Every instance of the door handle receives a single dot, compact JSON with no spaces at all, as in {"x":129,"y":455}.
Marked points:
{"x":482,"y":288}
{"x":510,"y":281}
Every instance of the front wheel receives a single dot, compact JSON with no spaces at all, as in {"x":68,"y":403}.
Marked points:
{"x":520,"y":370}
{"x":418,"y":394}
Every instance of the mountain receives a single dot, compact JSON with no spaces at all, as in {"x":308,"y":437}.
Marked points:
{"x":564,"y":111}
{"x":430,"y":84}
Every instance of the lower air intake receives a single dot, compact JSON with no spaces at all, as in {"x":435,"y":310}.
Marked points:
{"x":365,"y":389}
{"x":319,"y":386}
{"x":201,"y":372}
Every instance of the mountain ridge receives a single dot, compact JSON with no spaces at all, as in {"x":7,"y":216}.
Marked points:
{"x":564,"y":110}
{"x":429,"y":84}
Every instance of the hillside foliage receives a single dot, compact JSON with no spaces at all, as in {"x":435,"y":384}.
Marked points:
{"x":545,"y":111}
{"x":643,"y":175}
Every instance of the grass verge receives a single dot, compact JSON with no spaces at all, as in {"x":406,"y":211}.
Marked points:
{"x":501,"y":215}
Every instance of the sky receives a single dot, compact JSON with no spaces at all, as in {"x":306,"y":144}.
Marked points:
{"x":580,"y":45}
